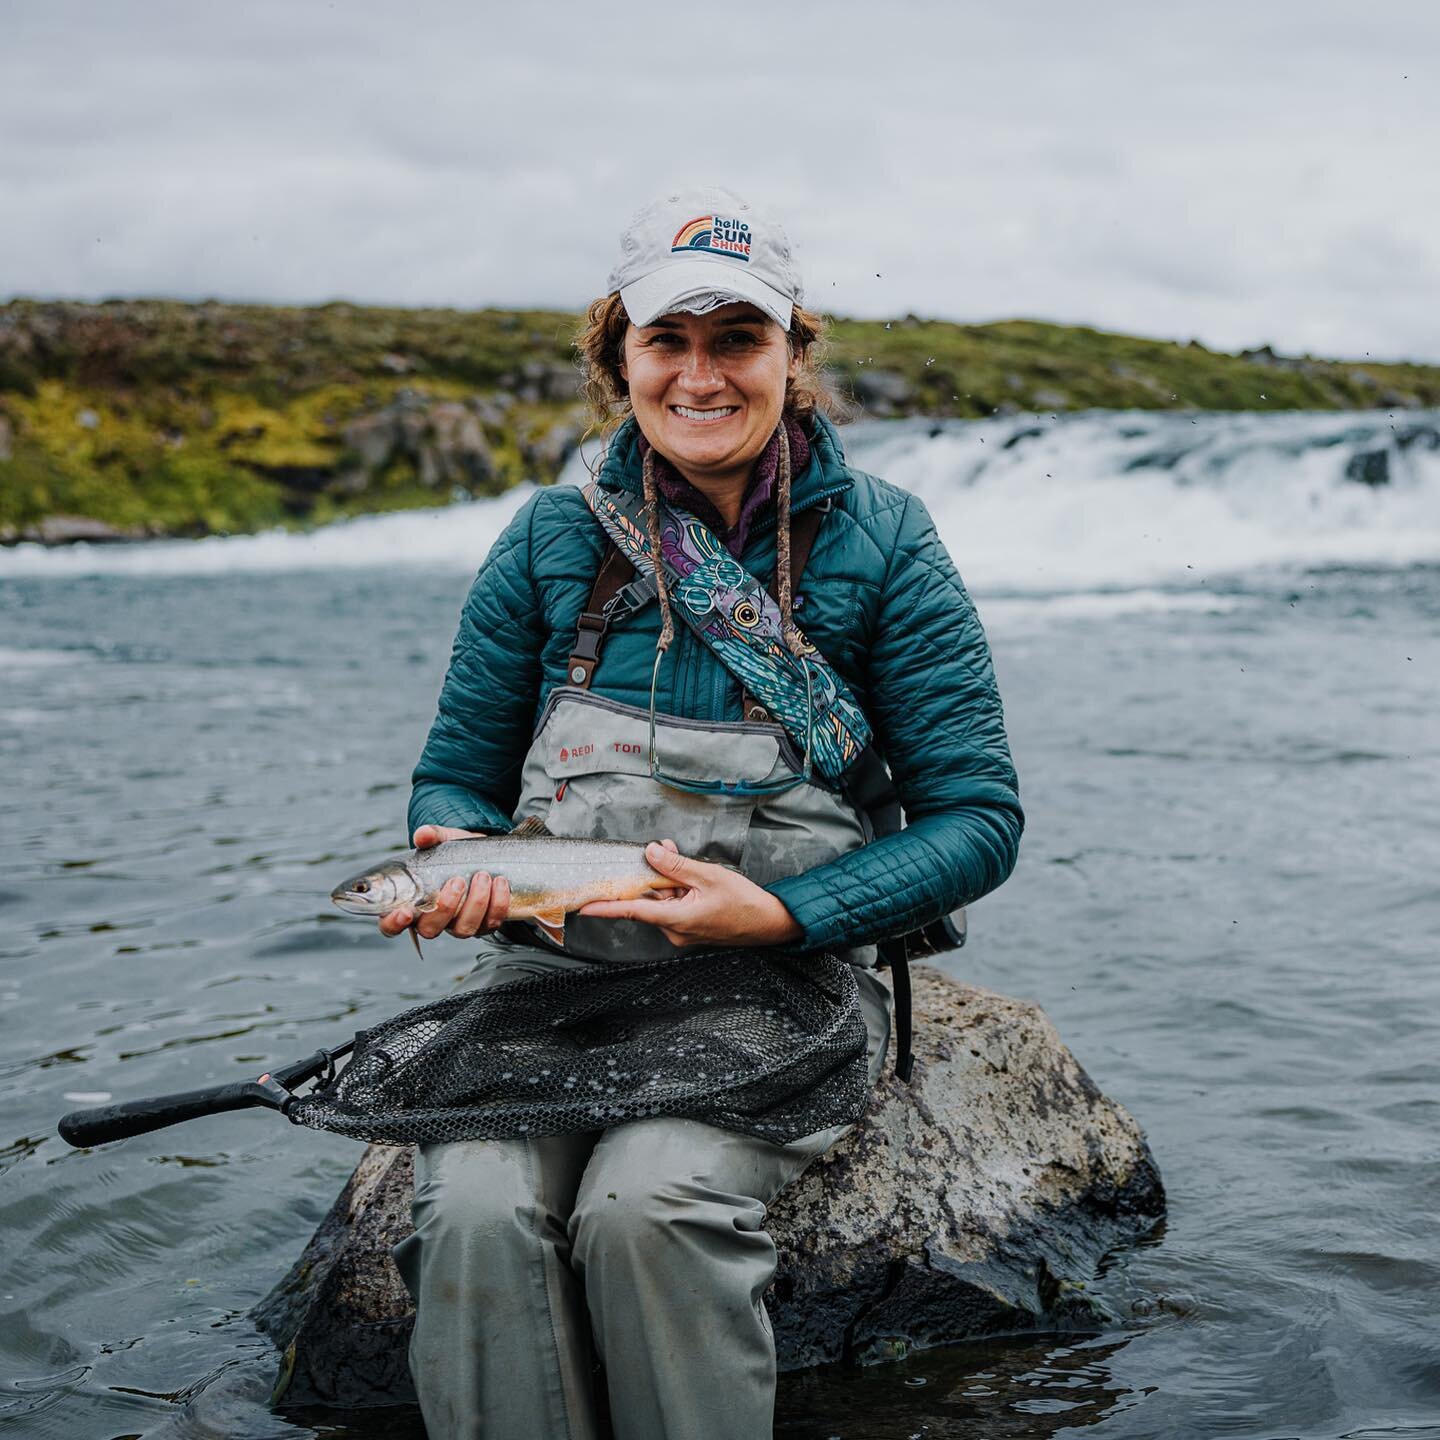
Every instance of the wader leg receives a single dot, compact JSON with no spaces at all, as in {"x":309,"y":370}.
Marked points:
{"x":668,"y":1236}
{"x":501,"y":1346}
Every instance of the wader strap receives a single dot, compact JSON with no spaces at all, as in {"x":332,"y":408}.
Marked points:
{"x":594,"y":622}
{"x":893,"y":952}
{"x":872,"y":792}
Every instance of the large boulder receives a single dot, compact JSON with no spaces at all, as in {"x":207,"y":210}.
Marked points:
{"x":980,"y":1198}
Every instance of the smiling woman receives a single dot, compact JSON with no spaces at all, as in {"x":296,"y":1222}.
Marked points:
{"x":708,"y":389}
{"x":690,"y":361}
{"x":738,"y":758}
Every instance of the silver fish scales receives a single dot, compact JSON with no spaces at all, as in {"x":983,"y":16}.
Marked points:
{"x":549,"y":875}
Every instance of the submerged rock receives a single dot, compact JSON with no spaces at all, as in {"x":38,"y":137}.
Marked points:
{"x":978,"y":1199}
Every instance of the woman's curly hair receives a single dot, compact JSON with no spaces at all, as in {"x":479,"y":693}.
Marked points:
{"x":601,"y":343}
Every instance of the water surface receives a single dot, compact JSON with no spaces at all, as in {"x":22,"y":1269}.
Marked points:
{"x":1227,"y":901}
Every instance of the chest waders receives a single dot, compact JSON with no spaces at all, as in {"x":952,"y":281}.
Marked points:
{"x":865,"y":808}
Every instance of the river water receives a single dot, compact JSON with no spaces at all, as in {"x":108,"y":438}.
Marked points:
{"x":1219,"y":649}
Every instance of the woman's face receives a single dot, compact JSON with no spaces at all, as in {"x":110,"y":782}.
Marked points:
{"x":707,"y":390}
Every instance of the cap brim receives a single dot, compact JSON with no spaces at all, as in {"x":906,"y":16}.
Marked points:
{"x":667,"y":288}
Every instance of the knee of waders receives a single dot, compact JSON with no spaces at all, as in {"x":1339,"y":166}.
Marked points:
{"x":638,"y":1227}
{"x":474,"y":1192}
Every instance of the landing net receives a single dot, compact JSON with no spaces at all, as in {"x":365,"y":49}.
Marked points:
{"x":768,"y":1045}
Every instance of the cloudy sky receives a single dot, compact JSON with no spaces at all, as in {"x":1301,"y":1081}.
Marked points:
{"x":1263,"y":172}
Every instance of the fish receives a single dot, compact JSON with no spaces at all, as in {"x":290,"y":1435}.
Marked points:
{"x":549,"y":875}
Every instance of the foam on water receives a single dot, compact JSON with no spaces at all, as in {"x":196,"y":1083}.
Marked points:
{"x":1014,"y":611}
{"x":1098,"y":501}
{"x":1143,"y":499}
{"x":453,"y":537}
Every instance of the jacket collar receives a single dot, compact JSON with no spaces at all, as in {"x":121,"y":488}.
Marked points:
{"x":826,"y":474}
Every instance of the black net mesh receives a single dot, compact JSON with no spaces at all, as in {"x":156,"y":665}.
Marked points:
{"x":773,"y":1046}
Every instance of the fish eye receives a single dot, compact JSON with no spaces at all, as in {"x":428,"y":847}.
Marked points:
{"x":362,"y":887}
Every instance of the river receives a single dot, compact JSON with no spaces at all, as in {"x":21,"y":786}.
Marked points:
{"x":1218,"y":642}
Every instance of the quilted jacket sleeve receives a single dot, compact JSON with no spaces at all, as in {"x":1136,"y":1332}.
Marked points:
{"x":469,"y":771}
{"x":937,"y":719}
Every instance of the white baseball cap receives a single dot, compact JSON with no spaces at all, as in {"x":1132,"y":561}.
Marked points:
{"x":695,"y":249}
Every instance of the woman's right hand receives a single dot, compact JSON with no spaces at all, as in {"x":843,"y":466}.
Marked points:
{"x":463,"y":910}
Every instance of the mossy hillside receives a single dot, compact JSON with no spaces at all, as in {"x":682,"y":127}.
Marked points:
{"x":1019,"y":365}
{"x":160,"y":417}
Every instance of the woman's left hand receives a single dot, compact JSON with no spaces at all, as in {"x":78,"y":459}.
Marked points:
{"x":717,"y":905}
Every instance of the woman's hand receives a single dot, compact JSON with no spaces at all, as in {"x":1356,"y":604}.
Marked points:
{"x":717,"y":905}
{"x":464,"y":910}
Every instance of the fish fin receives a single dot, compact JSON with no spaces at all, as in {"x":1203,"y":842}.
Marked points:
{"x":552,"y":922}
{"x":415,"y":936}
{"x":530,"y":826}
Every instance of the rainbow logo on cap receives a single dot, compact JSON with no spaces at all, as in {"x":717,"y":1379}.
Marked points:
{"x":714,"y":234}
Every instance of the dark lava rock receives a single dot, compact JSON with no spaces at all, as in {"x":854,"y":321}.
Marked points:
{"x":1369,"y":467}
{"x":979,"y":1199}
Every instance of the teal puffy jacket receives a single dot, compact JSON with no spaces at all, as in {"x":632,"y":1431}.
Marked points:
{"x":881,"y":600}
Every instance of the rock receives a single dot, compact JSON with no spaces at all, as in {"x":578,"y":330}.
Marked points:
{"x":1400,"y":400}
{"x":1264,"y":355}
{"x":493,"y":408}
{"x":538,"y":380}
{"x":979,"y":1199}
{"x":1369,"y":467}
{"x":454,"y":454}
{"x":545,"y":458}
{"x":1421,"y":437}
{"x":371,"y":439}
{"x":68,"y":529}
{"x":443,"y":439}
{"x":883,"y":392}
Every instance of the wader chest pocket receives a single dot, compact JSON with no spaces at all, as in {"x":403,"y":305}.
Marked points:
{"x":587,"y":775}
{"x":596,"y":766}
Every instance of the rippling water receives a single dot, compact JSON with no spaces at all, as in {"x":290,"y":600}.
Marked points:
{"x":1227,"y":900}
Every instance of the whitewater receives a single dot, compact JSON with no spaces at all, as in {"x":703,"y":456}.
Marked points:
{"x":1029,"y":505}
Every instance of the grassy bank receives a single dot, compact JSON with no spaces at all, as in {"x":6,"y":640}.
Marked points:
{"x":158,"y":417}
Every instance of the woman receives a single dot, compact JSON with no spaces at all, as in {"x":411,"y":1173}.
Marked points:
{"x":646,"y":1240}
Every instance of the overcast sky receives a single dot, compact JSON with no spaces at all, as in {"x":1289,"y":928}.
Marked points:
{"x":1240,"y":173}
